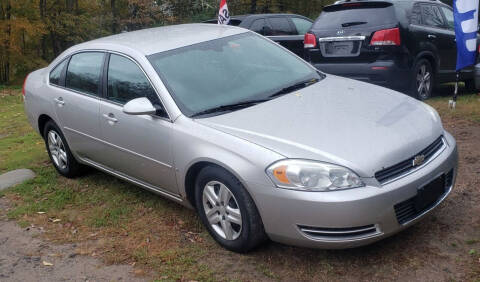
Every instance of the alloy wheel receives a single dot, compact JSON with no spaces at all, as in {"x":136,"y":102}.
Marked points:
{"x":424,"y":82}
{"x":57,"y":150}
{"x":222,"y":210}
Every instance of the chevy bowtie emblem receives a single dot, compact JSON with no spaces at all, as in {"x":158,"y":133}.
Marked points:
{"x":418,"y":160}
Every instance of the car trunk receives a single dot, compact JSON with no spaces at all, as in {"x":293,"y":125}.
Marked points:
{"x":344,"y":32}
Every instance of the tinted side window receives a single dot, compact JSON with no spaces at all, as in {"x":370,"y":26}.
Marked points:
{"x":301,"y":25}
{"x":280,"y":26}
{"x":432,"y":16}
{"x":126,"y":82}
{"x":416,"y":15}
{"x":56,"y":73}
{"x":259,"y":26}
{"x":449,"y":17}
{"x":83,"y":73}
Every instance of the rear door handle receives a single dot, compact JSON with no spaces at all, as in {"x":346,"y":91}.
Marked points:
{"x":432,"y":36}
{"x":110,"y":117}
{"x":59,"y":101}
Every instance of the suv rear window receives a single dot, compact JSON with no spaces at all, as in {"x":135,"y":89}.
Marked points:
{"x":357,"y":14}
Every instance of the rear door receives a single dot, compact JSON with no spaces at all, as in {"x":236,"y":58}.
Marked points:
{"x":344,"y":32}
{"x":285,"y":33}
{"x":449,"y":34}
{"x":76,"y":97}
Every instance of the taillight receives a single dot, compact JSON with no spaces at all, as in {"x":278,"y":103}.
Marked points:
{"x":23,"y":88}
{"x":310,"y":40}
{"x":386,"y":37}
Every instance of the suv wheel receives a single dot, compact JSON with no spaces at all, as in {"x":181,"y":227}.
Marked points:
{"x":227,"y":210}
{"x":59,"y":152}
{"x":423,"y":80}
{"x":470,"y":85}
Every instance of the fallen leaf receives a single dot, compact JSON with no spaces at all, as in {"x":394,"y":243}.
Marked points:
{"x":139,"y":272}
{"x":56,"y":220}
{"x":46,"y":263}
{"x":41,"y":212}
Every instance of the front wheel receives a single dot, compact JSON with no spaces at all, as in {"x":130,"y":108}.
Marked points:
{"x":227,"y":210}
{"x":423,"y":80}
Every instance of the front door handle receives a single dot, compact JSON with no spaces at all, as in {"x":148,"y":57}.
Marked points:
{"x":59,"y":101}
{"x":432,"y":36}
{"x":110,"y":117}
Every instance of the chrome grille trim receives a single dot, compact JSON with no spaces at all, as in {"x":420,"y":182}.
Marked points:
{"x":406,"y":167}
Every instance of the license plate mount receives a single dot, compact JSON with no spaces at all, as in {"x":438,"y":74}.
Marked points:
{"x":429,"y":194}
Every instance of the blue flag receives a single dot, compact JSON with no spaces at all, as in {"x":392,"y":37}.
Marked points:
{"x":466,"y":27}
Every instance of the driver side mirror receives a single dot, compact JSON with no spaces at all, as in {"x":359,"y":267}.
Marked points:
{"x":139,"y":106}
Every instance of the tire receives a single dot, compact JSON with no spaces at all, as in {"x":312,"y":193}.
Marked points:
{"x":242,"y":237}
{"x":59,"y":152}
{"x":423,"y":80}
{"x":470,"y":85}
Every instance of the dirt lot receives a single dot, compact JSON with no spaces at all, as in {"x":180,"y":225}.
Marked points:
{"x":26,"y":258}
{"x":123,"y":225}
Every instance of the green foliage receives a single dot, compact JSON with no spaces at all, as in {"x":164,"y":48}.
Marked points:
{"x":34,"y":32}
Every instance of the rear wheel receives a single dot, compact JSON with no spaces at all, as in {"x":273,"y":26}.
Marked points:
{"x":423,"y":80}
{"x":59,"y":152}
{"x":470,"y":85}
{"x":227,"y":210}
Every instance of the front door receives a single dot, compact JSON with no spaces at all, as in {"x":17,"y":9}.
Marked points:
{"x":136,"y":146}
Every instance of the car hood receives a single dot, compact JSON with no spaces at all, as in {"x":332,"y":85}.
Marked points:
{"x":342,"y":121}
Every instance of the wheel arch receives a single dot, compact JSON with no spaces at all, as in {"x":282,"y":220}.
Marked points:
{"x":192,"y":174}
{"x":430,"y":57}
{"x":42,"y":121}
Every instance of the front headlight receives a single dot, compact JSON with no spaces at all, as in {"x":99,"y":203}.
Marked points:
{"x":312,"y":176}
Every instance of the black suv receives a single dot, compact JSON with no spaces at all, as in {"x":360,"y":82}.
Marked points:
{"x":407,"y":45}
{"x":286,"y":29}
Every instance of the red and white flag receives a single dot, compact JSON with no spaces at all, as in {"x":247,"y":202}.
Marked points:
{"x":223,"y":14}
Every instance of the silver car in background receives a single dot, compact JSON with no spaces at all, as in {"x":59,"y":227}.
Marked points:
{"x":263,"y":145}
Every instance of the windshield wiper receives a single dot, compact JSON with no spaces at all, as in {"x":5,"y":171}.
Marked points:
{"x":230,"y":107}
{"x":296,"y":86}
{"x":352,"y":24}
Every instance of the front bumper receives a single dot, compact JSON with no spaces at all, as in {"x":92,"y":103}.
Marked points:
{"x":351,"y":218}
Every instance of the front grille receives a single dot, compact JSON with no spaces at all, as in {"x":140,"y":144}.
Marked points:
{"x":331,"y":234}
{"x":406,"y":166}
{"x":410,"y":209}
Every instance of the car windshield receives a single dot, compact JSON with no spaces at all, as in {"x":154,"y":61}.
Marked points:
{"x":230,"y":73}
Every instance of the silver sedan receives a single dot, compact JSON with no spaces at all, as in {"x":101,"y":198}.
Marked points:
{"x":259,"y":142}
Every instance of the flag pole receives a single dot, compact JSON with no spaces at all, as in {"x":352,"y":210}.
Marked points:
{"x":453,"y":103}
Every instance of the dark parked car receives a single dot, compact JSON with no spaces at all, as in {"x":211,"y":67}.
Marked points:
{"x":286,"y":29}
{"x":407,"y":45}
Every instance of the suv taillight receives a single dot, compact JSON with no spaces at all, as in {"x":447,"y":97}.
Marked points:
{"x":310,"y":40}
{"x":23,"y":87}
{"x":386,"y":37}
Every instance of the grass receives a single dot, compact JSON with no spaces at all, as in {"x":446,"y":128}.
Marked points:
{"x":124,"y":224}
{"x":468,"y":106}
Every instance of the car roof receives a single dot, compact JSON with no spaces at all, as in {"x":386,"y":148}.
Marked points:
{"x":155,"y":40}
